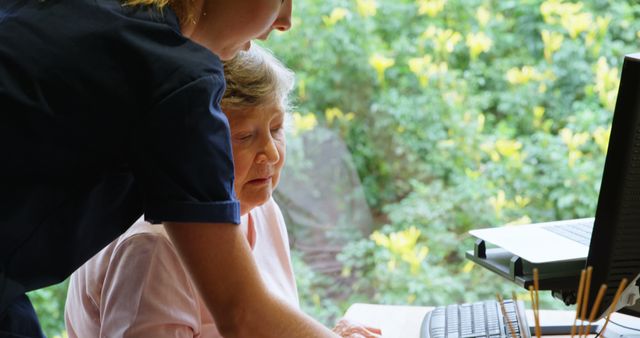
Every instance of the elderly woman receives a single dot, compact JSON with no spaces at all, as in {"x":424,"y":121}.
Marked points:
{"x":137,"y":285}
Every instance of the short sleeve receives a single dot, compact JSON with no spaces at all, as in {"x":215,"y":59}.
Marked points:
{"x":147,"y":292}
{"x":182,"y":157}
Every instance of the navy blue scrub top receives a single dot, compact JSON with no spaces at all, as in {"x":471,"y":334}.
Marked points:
{"x":106,"y":112}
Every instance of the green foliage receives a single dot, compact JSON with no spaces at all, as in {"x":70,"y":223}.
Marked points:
{"x":49,"y":305}
{"x":458,"y":114}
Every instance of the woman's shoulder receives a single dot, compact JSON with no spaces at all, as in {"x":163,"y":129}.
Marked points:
{"x":143,"y":233}
{"x":150,"y":44}
{"x":132,"y":250}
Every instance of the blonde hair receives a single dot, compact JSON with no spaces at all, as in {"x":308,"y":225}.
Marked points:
{"x":183,"y":8}
{"x":254,"y":78}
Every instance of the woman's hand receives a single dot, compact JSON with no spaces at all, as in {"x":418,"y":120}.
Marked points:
{"x":349,"y":329}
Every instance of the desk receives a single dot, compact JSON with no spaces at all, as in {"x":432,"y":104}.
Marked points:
{"x":398,"y":321}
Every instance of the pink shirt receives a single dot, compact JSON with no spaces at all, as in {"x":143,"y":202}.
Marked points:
{"x":137,"y":286}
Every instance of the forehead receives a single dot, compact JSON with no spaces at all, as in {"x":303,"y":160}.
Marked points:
{"x":265,"y":112}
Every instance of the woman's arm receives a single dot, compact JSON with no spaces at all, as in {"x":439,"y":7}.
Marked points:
{"x":222,"y":267}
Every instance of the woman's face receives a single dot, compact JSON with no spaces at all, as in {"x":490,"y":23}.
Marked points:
{"x":226,"y":27}
{"x":257,"y":137}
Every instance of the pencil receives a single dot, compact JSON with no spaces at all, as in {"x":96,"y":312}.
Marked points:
{"x":520,"y":321}
{"x":583,"y":274}
{"x":504,"y":315}
{"x":596,"y":304}
{"x":612,"y":307}
{"x":536,"y":308}
{"x":533,"y":307}
{"x":585,"y":299}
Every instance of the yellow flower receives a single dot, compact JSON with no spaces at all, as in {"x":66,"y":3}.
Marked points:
{"x":444,"y":40}
{"x":577,"y":23}
{"x":573,"y":142}
{"x":349,"y":116}
{"x":508,"y":148}
{"x":489,"y":148}
{"x":424,"y":68}
{"x":498,"y":202}
{"x":302,"y":88}
{"x":552,"y":43}
{"x":449,"y":40}
{"x":468,"y":267}
{"x":483,"y":16}
{"x":523,"y":75}
{"x":403,"y":245}
{"x":380,"y":239}
{"x":538,"y":114}
{"x":522,"y":202}
{"x":366,"y":7}
{"x":478,"y":43}
{"x":514,"y":76}
{"x":334,"y":113}
{"x":553,"y":10}
{"x":380,"y":63}
{"x":303,"y":123}
{"x":346,"y":271}
{"x":431,"y":7}
{"x":601,"y":137}
{"x":337,"y":14}
{"x":481,"y":119}
{"x":597,"y":31}
{"x":569,"y":15}
{"x":430,"y":32}
{"x":547,"y":9}
{"x":606,"y":83}
{"x":542,"y":88}
{"x":419,"y":65}
{"x":472,"y":174}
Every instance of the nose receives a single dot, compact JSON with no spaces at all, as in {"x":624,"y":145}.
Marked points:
{"x":269,"y":153}
{"x":283,"y":21}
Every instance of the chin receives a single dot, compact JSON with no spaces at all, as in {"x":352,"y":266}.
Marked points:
{"x":231,"y":52}
{"x":225,"y":56}
{"x":257,"y":201}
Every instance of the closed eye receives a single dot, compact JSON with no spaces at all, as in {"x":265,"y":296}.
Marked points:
{"x":243,"y":137}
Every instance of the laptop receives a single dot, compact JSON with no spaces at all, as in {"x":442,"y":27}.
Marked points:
{"x":569,"y":241}
{"x":539,"y":243}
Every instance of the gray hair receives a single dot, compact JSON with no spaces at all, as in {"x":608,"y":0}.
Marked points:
{"x":254,"y":78}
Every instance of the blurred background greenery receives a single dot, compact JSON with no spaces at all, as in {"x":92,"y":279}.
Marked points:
{"x":418,"y":120}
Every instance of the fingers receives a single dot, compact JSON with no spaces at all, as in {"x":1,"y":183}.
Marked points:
{"x":350,"y":329}
{"x":373,"y":329}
